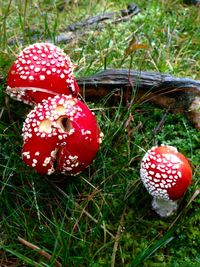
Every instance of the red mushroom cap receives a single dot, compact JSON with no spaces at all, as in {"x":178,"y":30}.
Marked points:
{"x":60,"y":134}
{"x":165,"y":172}
{"x":41,"y":70}
{"x":82,"y":146}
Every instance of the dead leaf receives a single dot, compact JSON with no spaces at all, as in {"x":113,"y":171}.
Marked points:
{"x":135,"y":47}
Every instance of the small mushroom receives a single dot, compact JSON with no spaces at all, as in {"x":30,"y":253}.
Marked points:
{"x":166,"y":174}
{"x":60,"y":134}
{"x":41,"y":70}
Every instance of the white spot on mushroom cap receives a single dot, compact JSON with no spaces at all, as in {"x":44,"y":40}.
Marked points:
{"x":37,"y":69}
{"x":42,"y":77}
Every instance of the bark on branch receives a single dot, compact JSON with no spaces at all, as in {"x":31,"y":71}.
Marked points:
{"x":79,"y":29}
{"x":116,"y":16}
{"x":178,"y":94}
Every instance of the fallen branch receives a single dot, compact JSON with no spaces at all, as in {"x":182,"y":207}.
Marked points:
{"x":192,"y":2}
{"x":78,"y":29}
{"x":38,"y":250}
{"x":117,"y":16}
{"x":178,"y":94}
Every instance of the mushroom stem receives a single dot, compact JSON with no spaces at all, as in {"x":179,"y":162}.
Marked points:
{"x":164,"y":207}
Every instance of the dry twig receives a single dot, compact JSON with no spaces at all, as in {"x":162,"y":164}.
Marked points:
{"x":38,"y":250}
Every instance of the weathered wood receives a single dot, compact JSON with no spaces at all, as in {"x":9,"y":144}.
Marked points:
{"x":116,"y":16}
{"x":178,"y":94}
{"x":78,"y":29}
{"x":192,"y":2}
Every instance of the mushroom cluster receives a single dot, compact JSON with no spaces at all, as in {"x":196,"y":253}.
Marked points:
{"x":166,"y":174}
{"x":60,"y":134}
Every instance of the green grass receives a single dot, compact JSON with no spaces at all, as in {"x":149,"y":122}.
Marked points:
{"x":102,"y":217}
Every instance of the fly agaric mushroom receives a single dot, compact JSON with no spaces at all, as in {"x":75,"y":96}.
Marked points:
{"x":60,"y":134}
{"x":166,"y":174}
{"x":41,"y":70}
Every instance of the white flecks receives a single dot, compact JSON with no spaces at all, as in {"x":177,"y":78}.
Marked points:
{"x":42,"y":77}
{"x":46,"y":161}
{"x":23,"y":77}
{"x":169,"y":181}
{"x":172,"y":158}
{"x":179,"y":174}
{"x":50,"y":171}
{"x":73,"y":158}
{"x":37,"y":69}
{"x":151,"y":172}
{"x":35,"y":58}
{"x":68,"y":169}
{"x":26,"y":154}
{"x":53,"y":153}
{"x":176,"y":166}
{"x":157,"y":175}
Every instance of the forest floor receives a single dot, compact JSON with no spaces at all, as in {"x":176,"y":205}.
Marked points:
{"x":103,"y":216}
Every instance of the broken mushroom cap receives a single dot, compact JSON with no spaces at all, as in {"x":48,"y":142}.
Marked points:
{"x":60,"y":134}
{"x":41,"y":70}
{"x":166,"y":174}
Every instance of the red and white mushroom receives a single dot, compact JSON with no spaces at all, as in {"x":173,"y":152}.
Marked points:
{"x":41,"y":70}
{"x":166,"y":174}
{"x":60,"y":134}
